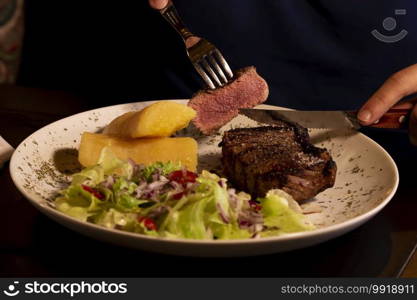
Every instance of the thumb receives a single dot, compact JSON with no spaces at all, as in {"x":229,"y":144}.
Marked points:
{"x":399,"y":85}
{"x":158,"y":4}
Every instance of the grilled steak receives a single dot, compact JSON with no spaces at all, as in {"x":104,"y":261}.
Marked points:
{"x":259,"y":159}
{"x":217,"y":107}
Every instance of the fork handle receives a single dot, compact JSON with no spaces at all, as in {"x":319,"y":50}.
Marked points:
{"x":170,"y":14}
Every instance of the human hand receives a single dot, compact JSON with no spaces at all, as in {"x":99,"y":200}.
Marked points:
{"x":398,"y":86}
{"x":158,"y":4}
{"x":190,"y":40}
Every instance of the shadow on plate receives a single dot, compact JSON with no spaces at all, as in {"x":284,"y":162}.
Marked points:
{"x":66,"y":161}
{"x":210,"y":162}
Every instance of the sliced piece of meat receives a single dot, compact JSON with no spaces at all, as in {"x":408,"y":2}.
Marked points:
{"x":217,"y":107}
{"x":257,"y":160}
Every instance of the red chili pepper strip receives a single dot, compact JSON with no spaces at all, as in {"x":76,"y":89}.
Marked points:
{"x":178,"y":196}
{"x":255,"y":205}
{"x":148,"y":223}
{"x":95,"y":193}
{"x":183,"y":177}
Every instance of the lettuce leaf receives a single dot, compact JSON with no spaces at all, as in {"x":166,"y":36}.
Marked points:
{"x":164,"y":169}
{"x":79,"y":203}
{"x":108,"y":164}
{"x":197,"y":216}
{"x":279,"y":217}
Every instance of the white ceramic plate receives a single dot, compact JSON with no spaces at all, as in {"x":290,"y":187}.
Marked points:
{"x":367,"y":178}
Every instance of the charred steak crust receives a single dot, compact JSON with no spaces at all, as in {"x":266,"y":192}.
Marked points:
{"x":217,"y":107}
{"x":263,"y":158}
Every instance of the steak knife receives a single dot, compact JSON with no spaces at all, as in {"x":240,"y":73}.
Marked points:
{"x":393,"y":119}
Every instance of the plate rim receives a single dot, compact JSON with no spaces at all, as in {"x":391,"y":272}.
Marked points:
{"x":332,"y":229}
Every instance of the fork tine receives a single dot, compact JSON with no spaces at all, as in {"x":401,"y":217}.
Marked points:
{"x":224,"y":64}
{"x":204,"y":75}
{"x":219,"y":70}
{"x":209,"y":69}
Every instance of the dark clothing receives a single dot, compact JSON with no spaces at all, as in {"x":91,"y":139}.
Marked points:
{"x":314,"y":54}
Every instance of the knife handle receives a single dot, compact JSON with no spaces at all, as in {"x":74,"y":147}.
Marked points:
{"x":393,"y":119}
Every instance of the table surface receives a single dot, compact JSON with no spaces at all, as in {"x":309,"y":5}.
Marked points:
{"x":33,"y":245}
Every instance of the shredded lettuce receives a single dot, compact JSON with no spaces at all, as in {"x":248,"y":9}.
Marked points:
{"x":165,"y":169}
{"x":197,"y":215}
{"x":107,"y":164}
{"x":147,"y":200}
{"x":279,"y":218}
{"x":78,"y":203}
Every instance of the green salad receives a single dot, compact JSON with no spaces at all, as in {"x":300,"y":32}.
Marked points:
{"x":165,"y":200}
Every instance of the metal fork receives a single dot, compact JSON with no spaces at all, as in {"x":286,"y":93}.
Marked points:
{"x":205,"y":57}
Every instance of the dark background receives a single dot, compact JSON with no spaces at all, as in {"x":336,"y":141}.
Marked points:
{"x":314,"y":54}
{"x":111,"y":50}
